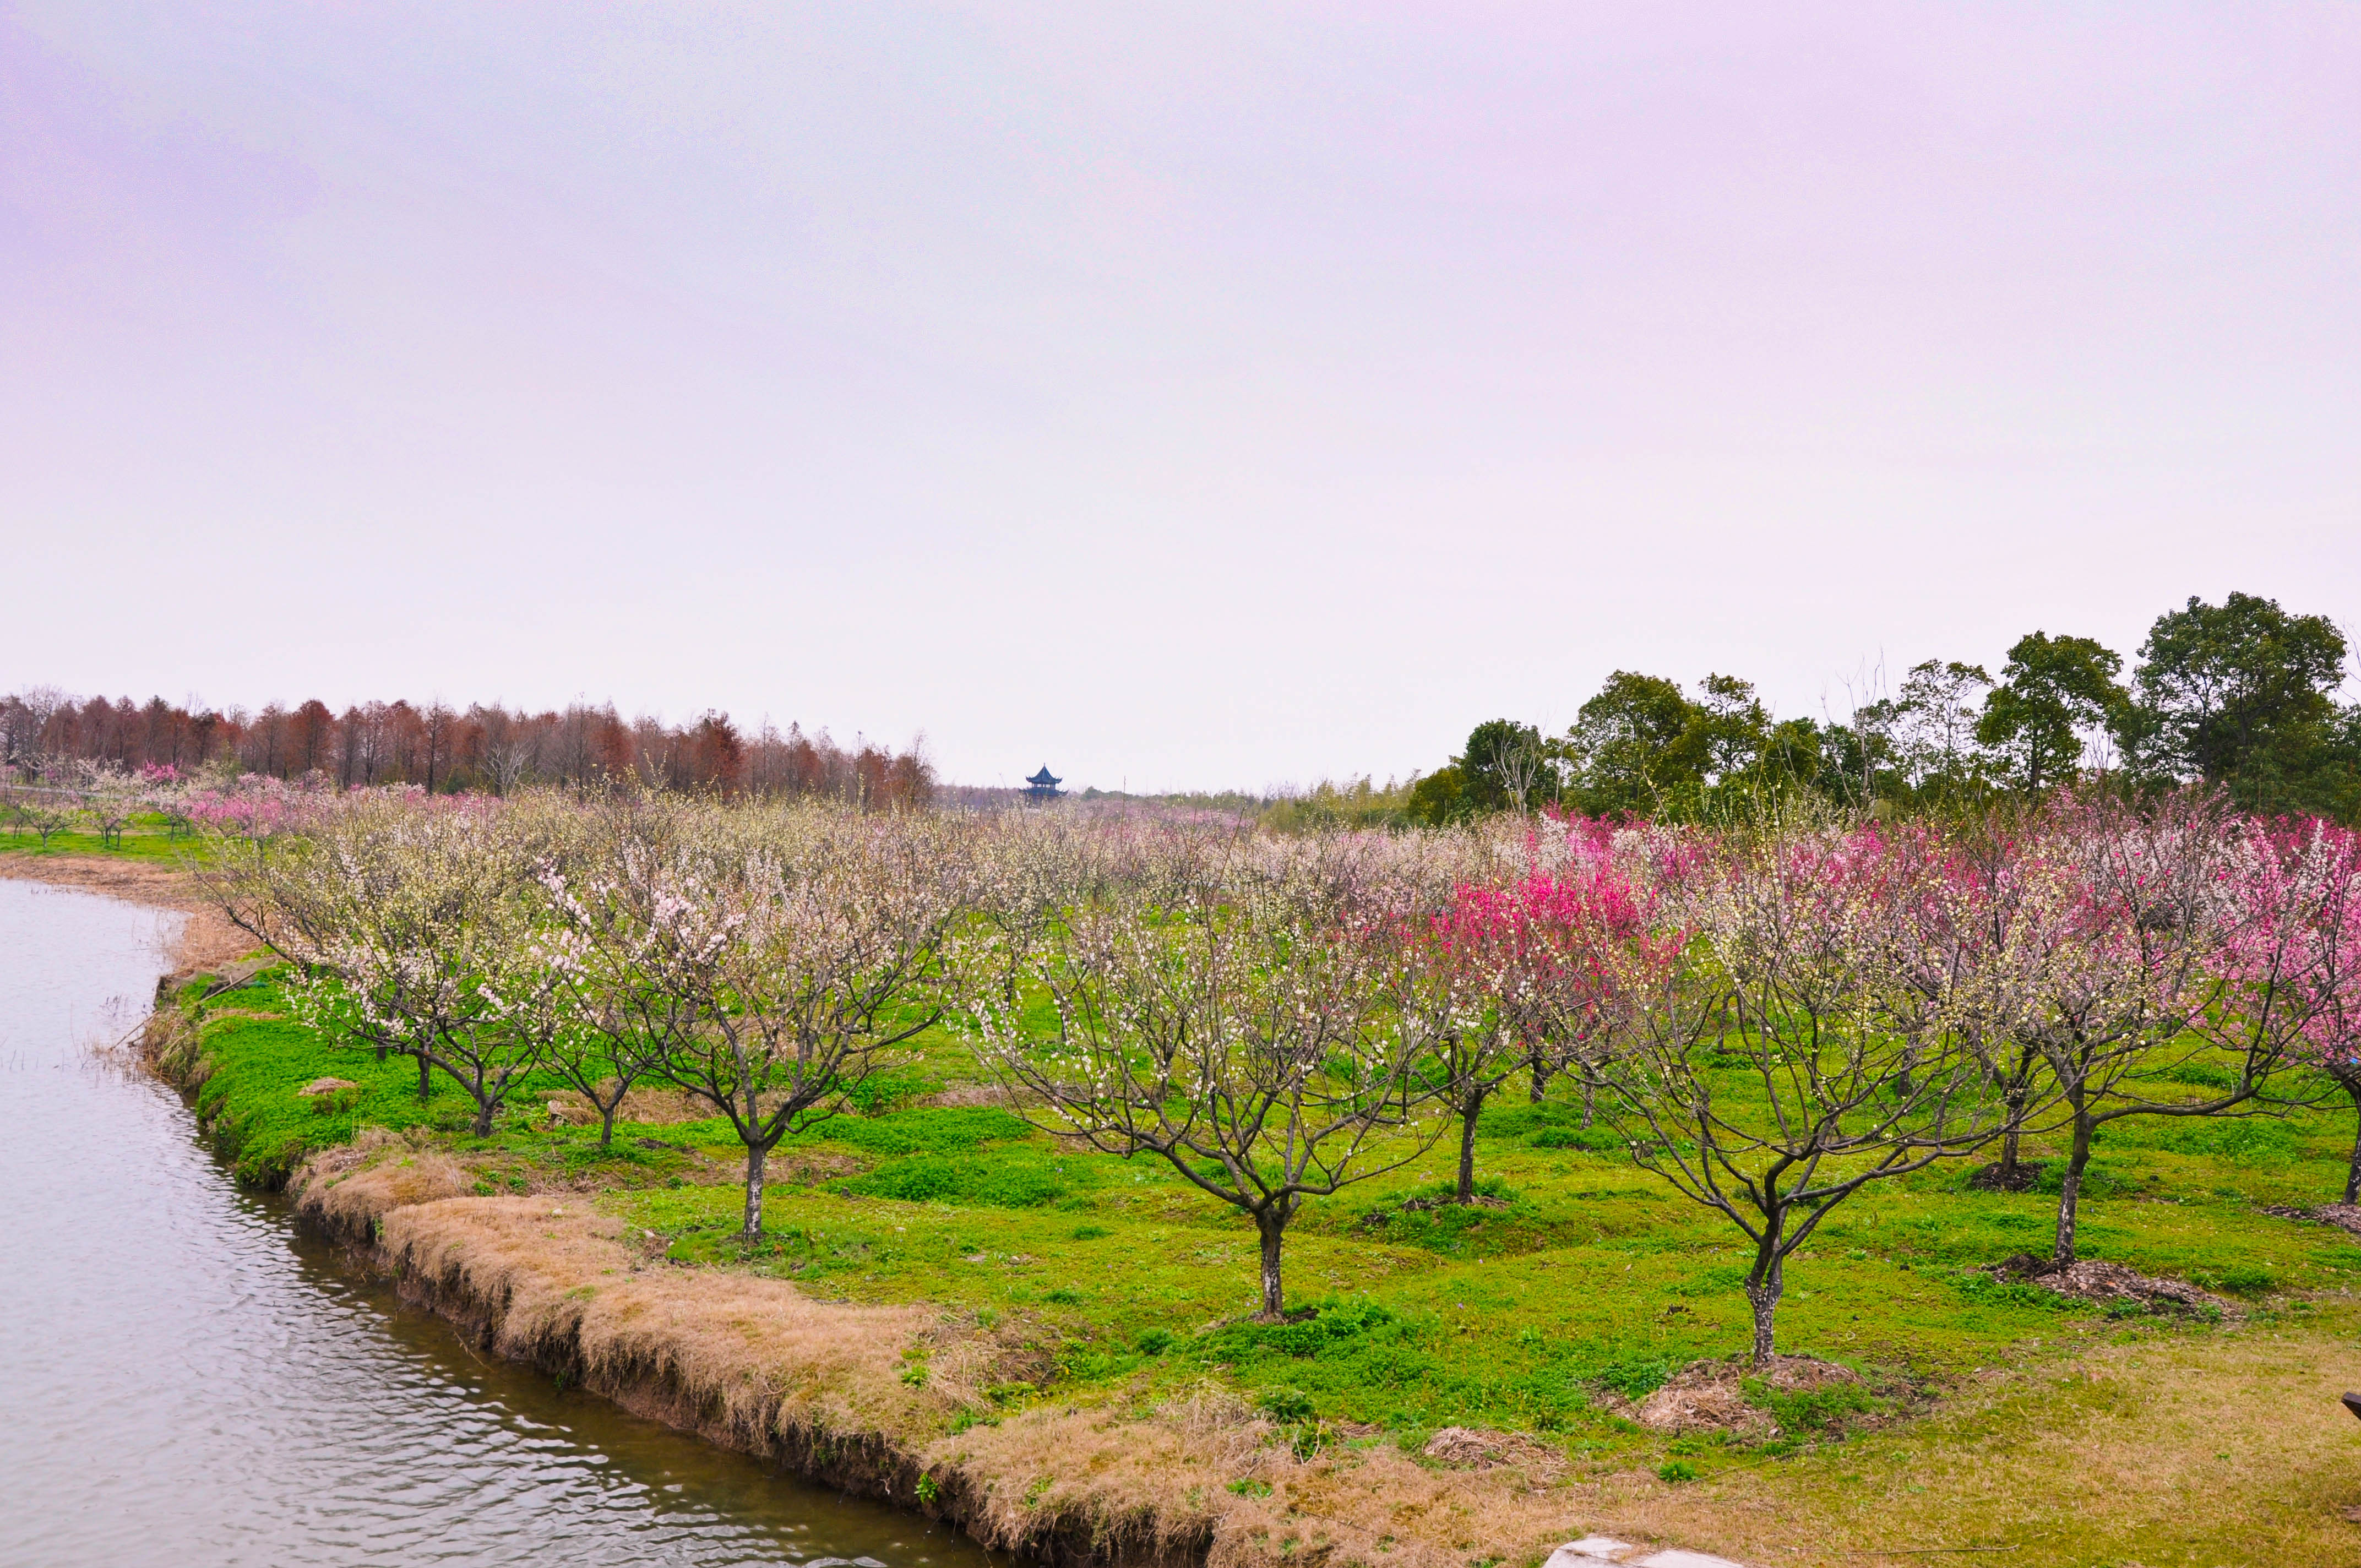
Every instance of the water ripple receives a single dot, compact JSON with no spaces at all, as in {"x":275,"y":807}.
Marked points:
{"x":188,"y":1382}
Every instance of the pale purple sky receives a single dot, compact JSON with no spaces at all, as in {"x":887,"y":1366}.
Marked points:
{"x":1180,"y":395}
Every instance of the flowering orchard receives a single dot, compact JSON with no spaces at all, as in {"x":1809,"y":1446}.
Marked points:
{"x":1771,"y":1018}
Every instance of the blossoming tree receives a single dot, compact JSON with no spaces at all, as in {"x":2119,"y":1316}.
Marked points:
{"x":1784,"y":1066}
{"x":801,"y":947}
{"x":1226,"y":1014}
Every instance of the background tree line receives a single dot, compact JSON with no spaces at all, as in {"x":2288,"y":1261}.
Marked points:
{"x":490,"y":749}
{"x":2242,"y":695}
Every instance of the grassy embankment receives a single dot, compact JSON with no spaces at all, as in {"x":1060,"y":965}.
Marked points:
{"x":1996,"y":1415}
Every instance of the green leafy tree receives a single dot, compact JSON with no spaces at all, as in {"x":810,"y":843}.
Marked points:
{"x":1634,"y":741}
{"x":1440,"y":797}
{"x":1730,"y":727}
{"x":2240,"y":695}
{"x":2054,"y":693}
{"x":1935,"y":729}
{"x":1507,"y":766}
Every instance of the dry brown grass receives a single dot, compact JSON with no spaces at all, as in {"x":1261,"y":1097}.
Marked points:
{"x":1123,"y":1488}
{"x":346,"y":1189}
{"x":827,"y":1388}
{"x":2214,"y":1452}
{"x":649,"y":1107}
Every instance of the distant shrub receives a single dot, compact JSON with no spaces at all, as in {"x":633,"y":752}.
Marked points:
{"x":981,"y":1181}
{"x":1597,"y":1140}
{"x":1634,"y":1379}
{"x":927,"y":1130}
{"x":1818,"y":1409}
{"x":1285,"y":1404}
{"x":2251,"y":1140}
{"x":882,"y":1093}
{"x":1979,"y":1287}
{"x":1330,"y":1326}
{"x":2239,"y":1279}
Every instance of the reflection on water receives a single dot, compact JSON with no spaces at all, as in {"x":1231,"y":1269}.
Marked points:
{"x":187,"y":1381}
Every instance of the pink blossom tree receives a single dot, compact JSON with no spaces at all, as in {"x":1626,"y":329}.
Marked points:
{"x":2292,"y":956}
{"x":2118,"y":969}
{"x":1539,"y":976}
{"x":1787,"y":1062}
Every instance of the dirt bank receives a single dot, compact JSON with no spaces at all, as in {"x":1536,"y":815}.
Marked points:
{"x":894,"y":1401}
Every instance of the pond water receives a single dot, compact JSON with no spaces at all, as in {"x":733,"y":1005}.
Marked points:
{"x":186,"y":1380}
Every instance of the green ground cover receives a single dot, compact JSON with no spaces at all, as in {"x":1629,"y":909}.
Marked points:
{"x":146,"y":838}
{"x":1583,"y":1280}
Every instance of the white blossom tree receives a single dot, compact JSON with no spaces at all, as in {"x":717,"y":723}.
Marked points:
{"x":801,"y":950}
{"x":403,"y":922}
{"x":1785,"y":1065}
{"x":1227,"y":1015}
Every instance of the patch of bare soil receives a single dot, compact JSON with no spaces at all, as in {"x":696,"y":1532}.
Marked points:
{"x":2343,"y":1216}
{"x":1708,"y":1396}
{"x":1467,"y":1448}
{"x":2089,"y":1279}
{"x":967,"y":1094}
{"x":1990,"y":1179}
{"x":655,"y":1107}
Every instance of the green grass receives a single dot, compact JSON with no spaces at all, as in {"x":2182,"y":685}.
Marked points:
{"x":1586,"y":1282}
{"x":146,"y":839}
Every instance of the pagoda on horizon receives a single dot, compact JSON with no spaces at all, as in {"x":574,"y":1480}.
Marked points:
{"x":1043,"y":786}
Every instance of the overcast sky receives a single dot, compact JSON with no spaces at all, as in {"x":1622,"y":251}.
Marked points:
{"x":1183,"y":396}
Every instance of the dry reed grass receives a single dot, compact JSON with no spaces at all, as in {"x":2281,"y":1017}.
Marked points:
{"x":1115,"y":1485}
{"x":829,"y":1388}
{"x":648,"y":1107}
{"x":346,"y":1189}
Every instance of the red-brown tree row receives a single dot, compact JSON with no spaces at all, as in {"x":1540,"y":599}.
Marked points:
{"x":440,"y":748}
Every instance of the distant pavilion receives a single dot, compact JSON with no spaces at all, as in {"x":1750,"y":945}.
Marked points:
{"x":1043,"y":786}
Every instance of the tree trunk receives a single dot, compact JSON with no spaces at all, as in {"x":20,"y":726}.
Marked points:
{"x":1541,"y":1077}
{"x":606,"y":1121}
{"x":426,"y":1083}
{"x":2353,"y":1169}
{"x":1763,"y":1294}
{"x":1272,"y":1226}
{"x":751,"y":1230}
{"x":2014,"y":1096}
{"x":485,"y":1106}
{"x":2070,"y":1191}
{"x":1590,"y":1100}
{"x":1469,"y":1110}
